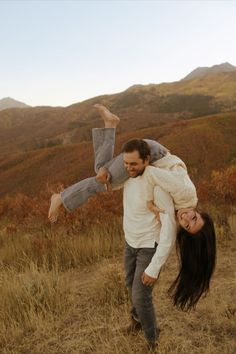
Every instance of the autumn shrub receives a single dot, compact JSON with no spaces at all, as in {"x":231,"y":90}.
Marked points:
{"x":220,"y":188}
{"x":31,"y":213}
{"x":218,"y":196}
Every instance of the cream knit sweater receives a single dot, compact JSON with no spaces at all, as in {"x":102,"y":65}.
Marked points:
{"x":170,"y":173}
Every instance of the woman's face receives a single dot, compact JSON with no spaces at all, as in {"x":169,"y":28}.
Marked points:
{"x":190,"y":219}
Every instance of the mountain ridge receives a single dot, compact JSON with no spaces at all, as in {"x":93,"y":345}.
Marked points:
{"x":205,"y":70}
{"x":8,"y":102}
{"x":200,"y":72}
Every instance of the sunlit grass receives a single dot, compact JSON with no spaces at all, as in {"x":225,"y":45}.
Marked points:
{"x":62,"y":291}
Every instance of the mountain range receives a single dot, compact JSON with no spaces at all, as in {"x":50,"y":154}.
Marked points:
{"x":193,"y":117}
{"x":200,"y":72}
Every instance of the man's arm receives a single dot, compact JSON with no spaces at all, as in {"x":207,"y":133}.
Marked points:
{"x":167,"y":233}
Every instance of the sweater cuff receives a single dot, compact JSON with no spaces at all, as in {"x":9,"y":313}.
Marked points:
{"x":152,"y":271}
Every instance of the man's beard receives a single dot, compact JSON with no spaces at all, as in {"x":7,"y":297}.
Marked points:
{"x":138,"y":174}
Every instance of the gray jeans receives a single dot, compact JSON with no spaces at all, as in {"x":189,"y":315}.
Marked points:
{"x":103,"y":143}
{"x":136,"y":261}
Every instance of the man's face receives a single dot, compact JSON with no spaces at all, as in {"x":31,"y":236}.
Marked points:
{"x":134,"y":164}
{"x":190,"y":220}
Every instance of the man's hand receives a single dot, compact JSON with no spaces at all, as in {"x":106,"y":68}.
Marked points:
{"x":103,"y":175}
{"x":154,"y":209}
{"x":147,"y":280}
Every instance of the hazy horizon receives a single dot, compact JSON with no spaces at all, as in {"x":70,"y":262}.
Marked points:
{"x":61,"y":52}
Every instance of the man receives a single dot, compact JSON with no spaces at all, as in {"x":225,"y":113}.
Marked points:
{"x":148,"y":243}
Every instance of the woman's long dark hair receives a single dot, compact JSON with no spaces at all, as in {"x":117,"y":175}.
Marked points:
{"x":197,"y":256}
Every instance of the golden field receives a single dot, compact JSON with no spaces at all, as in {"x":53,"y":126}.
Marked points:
{"x":62,"y":286}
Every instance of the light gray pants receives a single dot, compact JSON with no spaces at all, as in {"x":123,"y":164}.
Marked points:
{"x":103,"y":143}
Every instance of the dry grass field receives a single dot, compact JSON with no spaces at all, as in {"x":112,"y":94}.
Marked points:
{"x":64,"y":294}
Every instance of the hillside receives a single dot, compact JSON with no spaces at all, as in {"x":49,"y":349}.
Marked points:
{"x":205,"y":144}
{"x":87,"y":307}
{"x":139,"y":106}
{"x":220,"y":87}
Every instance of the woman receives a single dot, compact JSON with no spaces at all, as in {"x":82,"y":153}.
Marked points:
{"x":196,"y":236}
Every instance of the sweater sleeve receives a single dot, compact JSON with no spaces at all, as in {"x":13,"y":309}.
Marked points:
{"x":149,"y":183}
{"x":167,"y":233}
{"x":166,"y":179}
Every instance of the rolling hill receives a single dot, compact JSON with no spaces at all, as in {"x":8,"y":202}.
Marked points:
{"x":195,"y":118}
{"x":204,"y":143}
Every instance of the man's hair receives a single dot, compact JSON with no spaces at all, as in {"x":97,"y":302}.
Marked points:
{"x":137,"y":145}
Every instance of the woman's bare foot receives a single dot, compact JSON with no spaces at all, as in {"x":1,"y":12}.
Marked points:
{"x":110,"y":119}
{"x":53,"y":212}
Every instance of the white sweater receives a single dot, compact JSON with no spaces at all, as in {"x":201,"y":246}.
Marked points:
{"x":170,"y":173}
{"x":141,"y":227}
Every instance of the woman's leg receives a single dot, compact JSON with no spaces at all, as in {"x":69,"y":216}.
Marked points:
{"x":77,"y":194}
{"x":157,"y":150}
{"x":103,"y":146}
{"x":104,"y":138}
{"x":103,"y":141}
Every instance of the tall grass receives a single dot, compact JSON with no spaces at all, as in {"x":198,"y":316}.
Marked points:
{"x":35,"y":295}
{"x":31,"y":301}
{"x":55,"y":249}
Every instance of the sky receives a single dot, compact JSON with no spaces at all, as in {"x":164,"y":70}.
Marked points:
{"x":62,"y":52}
